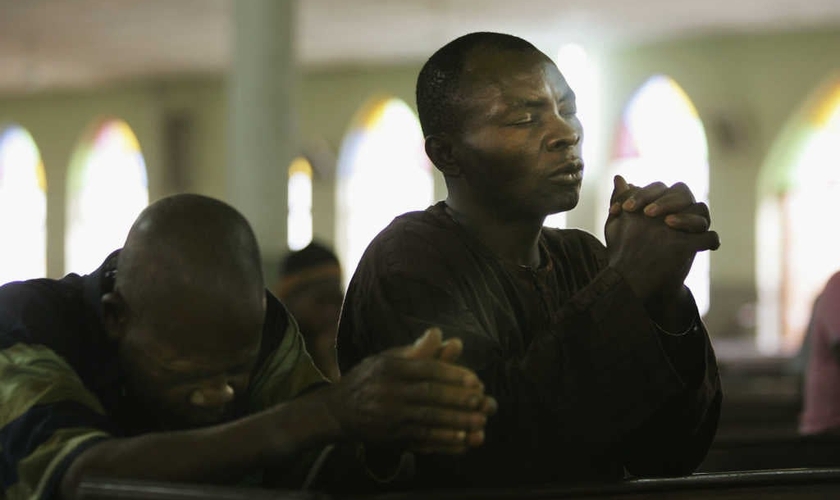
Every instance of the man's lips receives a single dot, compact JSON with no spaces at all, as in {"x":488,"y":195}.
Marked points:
{"x":570,"y":171}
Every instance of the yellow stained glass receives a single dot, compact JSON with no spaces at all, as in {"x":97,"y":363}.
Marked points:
{"x":107,"y":189}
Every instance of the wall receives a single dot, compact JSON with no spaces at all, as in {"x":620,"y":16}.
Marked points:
{"x":745,"y":88}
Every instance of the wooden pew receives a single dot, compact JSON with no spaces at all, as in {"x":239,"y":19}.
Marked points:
{"x":801,"y":484}
{"x":770,"y":453}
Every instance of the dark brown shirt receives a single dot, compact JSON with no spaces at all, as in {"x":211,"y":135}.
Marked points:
{"x":588,"y":387}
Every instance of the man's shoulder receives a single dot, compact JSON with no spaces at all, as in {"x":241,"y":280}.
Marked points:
{"x":415,"y":226}
{"x":275,"y":326}
{"x":39,"y":305}
{"x":413,"y":238}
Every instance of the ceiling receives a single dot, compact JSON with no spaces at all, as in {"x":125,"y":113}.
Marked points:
{"x":47,"y":44}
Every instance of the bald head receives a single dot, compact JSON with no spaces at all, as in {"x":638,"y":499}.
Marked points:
{"x":186,"y":248}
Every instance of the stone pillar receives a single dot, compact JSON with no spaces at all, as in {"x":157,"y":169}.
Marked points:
{"x":262,"y":131}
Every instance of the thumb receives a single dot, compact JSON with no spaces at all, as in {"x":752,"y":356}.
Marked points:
{"x":450,"y":350}
{"x":708,"y":240}
{"x":427,"y":346}
{"x":620,"y":186}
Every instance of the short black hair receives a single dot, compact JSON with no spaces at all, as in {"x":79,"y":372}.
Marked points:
{"x":312,"y":255}
{"x":439,"y":79}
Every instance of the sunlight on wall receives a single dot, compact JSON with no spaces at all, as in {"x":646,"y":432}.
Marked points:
{"x":106,"y":189}
{"x":383,"y":172}
{"x":299,"y":222}
{"x":793,"y":215}
{"x":661,"y":138}
{"x":23,"y":207}
{"x":579,"y":72}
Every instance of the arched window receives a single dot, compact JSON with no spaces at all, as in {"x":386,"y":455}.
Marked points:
{"x":661,"y":138}
{"x":797,"y":247}
{"x":383,"y":172}
{"x":23,"y":207}
{"x":106,"y":189}
{"x":299,"y":222}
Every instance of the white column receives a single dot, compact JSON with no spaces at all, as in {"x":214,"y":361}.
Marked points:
{"x":262,"y":85}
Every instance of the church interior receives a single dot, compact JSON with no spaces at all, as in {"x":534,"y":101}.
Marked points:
{"x":302,"y":115}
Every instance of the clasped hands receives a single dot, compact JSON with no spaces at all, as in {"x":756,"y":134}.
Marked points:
{"x":414,"y":398}
{"x":653,"y":233}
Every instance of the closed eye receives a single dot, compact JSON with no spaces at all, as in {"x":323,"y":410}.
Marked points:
{"x":525,"y":120}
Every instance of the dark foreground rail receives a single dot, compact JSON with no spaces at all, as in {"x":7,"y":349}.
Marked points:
{"x":783,"y":484}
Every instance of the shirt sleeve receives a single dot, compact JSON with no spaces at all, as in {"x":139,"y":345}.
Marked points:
{"x":287,"y":372}
{"x":47,"y":419}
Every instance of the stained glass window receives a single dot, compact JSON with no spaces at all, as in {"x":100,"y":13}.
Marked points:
{"x":106,"y":189}
{"x":299,"y":231}
{"x":793,"y":236}
{"x":383,"y":172}
{"x":661,"y":138}
{"x":23,"y":207}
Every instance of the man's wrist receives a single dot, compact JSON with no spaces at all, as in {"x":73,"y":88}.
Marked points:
{"x":385,"y":465}
{"x":673,"y":312}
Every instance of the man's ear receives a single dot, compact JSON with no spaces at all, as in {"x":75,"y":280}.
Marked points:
{"x":115,"y":315}
{"x":440,"y":151}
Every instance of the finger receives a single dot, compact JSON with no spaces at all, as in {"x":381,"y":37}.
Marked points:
{"x":447,"y":395}
{"x":643,"y":196}
{"x":450,"y":350}
{"x":700,"y":209}
{"x":475,"y":438}
{"x":424,"y":439}
{"x":678,"y":197}
{"x":489,"y":405}
{"x":620,"y":186}
{"x":441,"y":441}
{"x":435,"y":417}
{"x":621,"y":192}
{"x":431,"y":370}
{"x":426,"y":346}
{"x":688,"y":223}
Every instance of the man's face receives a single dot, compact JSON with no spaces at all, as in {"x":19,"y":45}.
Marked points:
{"x":190,"y":365}
{"x":519,"y":147}
{"x":316,"y":305}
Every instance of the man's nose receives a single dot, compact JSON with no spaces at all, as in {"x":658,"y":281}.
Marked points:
{"x":212,"y":395}
{"x":564,"y":133}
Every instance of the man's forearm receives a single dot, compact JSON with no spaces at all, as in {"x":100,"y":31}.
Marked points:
{"x":218,"y":454}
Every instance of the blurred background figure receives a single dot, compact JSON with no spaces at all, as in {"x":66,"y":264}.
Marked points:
{"x":821,"y":409}
{"x":310,"y":286}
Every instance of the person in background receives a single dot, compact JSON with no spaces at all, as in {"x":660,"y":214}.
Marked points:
{"x":310,"y":287}
{"x":821,"y":405}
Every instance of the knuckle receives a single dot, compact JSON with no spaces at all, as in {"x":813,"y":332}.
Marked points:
{"x":429,"y":390}
{"x":385,"y":364}
{"x":427,"y":415}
